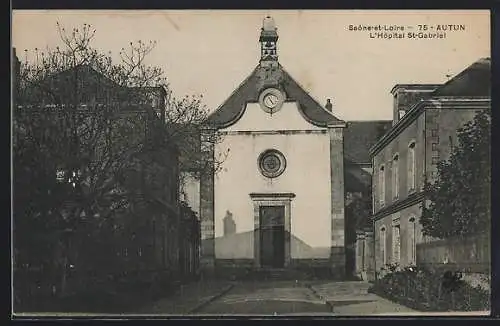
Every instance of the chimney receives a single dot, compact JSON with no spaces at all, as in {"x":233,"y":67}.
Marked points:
{"x":328,"y":105}
{"x":407,"y":95}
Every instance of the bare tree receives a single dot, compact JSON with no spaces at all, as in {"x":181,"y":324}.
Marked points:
{"x":85,"y":130}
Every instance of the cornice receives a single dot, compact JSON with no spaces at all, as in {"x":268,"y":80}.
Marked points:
{"x":415,"y":87}
{"x":399,"y":205}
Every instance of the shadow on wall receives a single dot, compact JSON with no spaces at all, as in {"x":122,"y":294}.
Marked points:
{"x":229,"y":224}
{"x":240,"y":245}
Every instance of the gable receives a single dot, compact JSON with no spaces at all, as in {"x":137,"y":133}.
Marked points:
{"x":248,"y":91}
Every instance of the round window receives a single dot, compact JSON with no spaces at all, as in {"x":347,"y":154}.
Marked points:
{"x":272,"y":163}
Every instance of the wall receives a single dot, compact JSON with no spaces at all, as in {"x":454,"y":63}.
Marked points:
{"x":307,"y":175}
{"x":407,"y":256}
{"x":471,"y":254}
{"x":414,"y":131}
{"x":446,"y":122}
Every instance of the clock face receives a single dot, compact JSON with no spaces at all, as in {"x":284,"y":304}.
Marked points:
{"x":271,"y":100}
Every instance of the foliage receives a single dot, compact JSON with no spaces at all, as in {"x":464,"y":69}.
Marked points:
{"x":423,"y":290}
{"x":361,"y":209}
{"x":459,"y":200}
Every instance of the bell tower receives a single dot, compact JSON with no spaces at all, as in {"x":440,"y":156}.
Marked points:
{"x":268,"y":43}
{"x":269,"y":73}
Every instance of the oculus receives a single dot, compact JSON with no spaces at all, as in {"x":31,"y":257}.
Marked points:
{"x":272,"y":163}
{"x":271,"y":100}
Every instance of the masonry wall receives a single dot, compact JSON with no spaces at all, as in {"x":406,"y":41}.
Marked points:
{"x":441,"y":134}
{"x":307,"y":175}
{"x":399,"y":145}
{"x":434,"y":133}
{"x":410,"y":236}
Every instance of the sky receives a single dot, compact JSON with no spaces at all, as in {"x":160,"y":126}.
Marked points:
{"x":211,"y":52}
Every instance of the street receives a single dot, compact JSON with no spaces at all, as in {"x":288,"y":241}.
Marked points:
{"x":296,"y":298}
{"x":268,"y":298}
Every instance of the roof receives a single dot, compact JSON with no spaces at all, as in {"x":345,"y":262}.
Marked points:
{"x":92,"y":84}
{"x":360,"y":136}
{"x":356,"y":179}
{"x":233,"y":108}
{"x":475,"y":80}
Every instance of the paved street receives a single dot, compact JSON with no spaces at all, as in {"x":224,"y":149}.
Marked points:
{"x":291,"y":298}
{"x":277,"y":298}
{"x":268,"y":298}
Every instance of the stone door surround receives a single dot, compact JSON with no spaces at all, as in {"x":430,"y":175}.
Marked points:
{"x":271,"y":199}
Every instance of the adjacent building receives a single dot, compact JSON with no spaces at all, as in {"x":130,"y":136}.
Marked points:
{"x":424,"y":131}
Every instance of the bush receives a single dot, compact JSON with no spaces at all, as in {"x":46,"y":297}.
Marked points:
{"x":423,"y":290}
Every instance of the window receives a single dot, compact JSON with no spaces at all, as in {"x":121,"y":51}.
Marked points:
{"x":272,"y":163}
{"x":396,"y":243}
{"x":434,"y":132}
{"x":411,"y":166}
{"x":383,"y":252}
{"x":412,"y":245}
{"x":434,"y":146}
{"x":395,"y":176}
{"x":381,"y":182}
{"x":435,"y":159}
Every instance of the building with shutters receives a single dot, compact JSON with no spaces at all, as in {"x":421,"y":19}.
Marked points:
{"x":423,"y":132}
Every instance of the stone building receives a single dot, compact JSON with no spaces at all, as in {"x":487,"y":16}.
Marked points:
{"x":290,"y":165}
{"x":425,"y":123}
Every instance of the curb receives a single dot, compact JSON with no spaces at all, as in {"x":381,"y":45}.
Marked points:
{"x":313,"y":290}
{"x":210,"y":299}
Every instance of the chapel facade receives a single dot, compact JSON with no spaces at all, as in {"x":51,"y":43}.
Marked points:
{"x":282,"y":181}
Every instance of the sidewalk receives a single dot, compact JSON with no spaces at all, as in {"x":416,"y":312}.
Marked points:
{"x":189,"y":298}
{"x":353,"y":299}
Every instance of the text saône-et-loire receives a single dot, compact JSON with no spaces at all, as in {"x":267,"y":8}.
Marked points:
{"x":411,"y":32}
{"x":399,"y":28}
